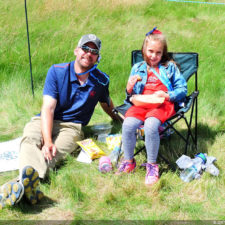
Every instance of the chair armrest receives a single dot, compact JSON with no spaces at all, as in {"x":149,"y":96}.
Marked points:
{"x":189,"y":100}
{"x":120,"y":110}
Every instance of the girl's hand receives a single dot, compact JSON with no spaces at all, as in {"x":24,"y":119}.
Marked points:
{"x":131,"y":82}
{"x":162,"y":94}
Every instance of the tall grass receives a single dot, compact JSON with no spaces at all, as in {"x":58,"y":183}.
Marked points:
{"x":78,"y":191}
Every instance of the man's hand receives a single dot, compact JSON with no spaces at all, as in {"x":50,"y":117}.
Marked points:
{"x":49,"y":152}
{"x":162,"y":94}
{"x":131,"y":82}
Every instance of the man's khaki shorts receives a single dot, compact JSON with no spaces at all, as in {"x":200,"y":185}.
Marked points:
{"x":64,"y":135}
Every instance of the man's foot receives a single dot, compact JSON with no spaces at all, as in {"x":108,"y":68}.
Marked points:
{"x":126,"y":167}
{"x":11,"y":193}
{"x":152,"y":174}
{"x":30,"y":180}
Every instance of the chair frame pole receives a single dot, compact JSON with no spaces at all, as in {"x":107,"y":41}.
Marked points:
{"x":28,"y":42}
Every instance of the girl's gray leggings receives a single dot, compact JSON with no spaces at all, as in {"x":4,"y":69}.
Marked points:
{"x":152,"y":139}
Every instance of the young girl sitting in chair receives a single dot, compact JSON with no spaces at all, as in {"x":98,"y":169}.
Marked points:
{"x":158,"y":77}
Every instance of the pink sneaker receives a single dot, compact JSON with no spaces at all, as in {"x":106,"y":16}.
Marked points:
{"x":126,"y":167}
{"x":152,"y":174}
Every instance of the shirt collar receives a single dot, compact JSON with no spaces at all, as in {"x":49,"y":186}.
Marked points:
{"x":73,"y":77}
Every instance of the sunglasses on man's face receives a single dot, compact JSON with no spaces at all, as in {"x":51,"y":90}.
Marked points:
{"x":87,"y":49}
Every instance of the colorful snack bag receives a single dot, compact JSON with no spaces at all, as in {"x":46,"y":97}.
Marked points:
{"x":113,"y":140}
{"x":89,"y":146}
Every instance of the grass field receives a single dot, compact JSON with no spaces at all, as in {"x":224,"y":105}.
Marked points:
{"x":77,"y":191}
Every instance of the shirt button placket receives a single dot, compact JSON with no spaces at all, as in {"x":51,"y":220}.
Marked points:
{"x":77,"y":93}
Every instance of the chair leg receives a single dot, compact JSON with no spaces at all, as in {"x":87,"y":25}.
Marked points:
{"x":196,"y":123}
{"x":194,"y":138}
{"x":141,"y":149}
{"x":162,"y":157}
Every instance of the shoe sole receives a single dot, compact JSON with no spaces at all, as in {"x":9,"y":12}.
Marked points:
{"x":12,"y":192}
{"x":30,"y":180}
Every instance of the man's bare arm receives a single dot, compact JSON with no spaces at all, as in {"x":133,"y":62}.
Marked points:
{"x":108,"y":109}
{"x":47,"y":117}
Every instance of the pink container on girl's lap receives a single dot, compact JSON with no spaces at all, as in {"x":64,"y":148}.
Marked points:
{"x":105,"y":164}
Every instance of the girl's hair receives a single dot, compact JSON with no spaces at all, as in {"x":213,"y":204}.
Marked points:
{"x":159,"y":37}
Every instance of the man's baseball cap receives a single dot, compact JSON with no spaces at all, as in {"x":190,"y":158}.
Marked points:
{"x":90,"y":38}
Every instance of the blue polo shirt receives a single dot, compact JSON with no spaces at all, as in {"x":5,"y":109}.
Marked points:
{"x":75,"y":102}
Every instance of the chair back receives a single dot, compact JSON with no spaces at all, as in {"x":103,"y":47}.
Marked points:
{"x":186,"y":61}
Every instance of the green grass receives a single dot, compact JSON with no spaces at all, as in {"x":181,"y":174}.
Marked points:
{"x":78,"y":191}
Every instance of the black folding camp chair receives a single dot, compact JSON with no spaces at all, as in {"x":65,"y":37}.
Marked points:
{"x":188,"y":65}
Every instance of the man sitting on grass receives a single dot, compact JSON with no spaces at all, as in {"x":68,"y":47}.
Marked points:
{"x":71,"y":92}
